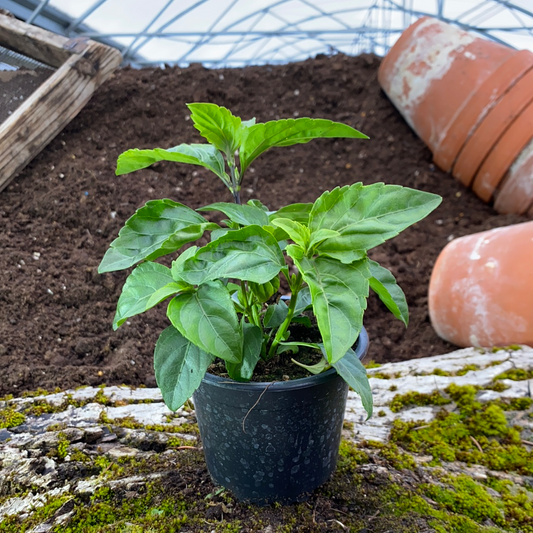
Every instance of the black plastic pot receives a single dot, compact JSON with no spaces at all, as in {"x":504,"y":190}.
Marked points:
{"x":273,"y":442}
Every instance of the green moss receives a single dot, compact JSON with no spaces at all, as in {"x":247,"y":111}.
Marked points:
{"x":381,"y":413}
{"x":497,"y":386}
{"x":350,"y":456}
{"x":416,"y":398}
{"x":372,"y":364}
{"x":464,"y":496}
{"x":460,"y":435}
{"x":466,"y":369}
{"x":440,"y":372}
{"x":516,"y":374}
{"x":511,"y":347}
{"x":62,"y":445}
{"x":517,"y":404}
{"x":393,"y":388}
{"x":57,"y":427}
{"x":379,"y":375}
{"x":9,"y":418}
{"x":397,"y":458}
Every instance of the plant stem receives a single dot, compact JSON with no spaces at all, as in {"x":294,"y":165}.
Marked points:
{"x":251,"y":311}
{"x":235,"y":185}
{"x":295,"y":289}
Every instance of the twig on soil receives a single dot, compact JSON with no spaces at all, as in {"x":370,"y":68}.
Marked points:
{"x":527,"y":442}
{"x":476,"y":443}
{"x":374,"y":515}
{"x":339,"y":511}
{"x":186,"y":448}
{"x":254,"y":405}
{"x":339,"y":523}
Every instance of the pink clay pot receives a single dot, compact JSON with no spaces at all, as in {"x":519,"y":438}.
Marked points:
{"x":508,"y":148}
{"x":484,"y":138}
{"x":470,"y":100}
{"x":432,"y":71}
{"x":481,"y":288}
{"x":480,"y":103}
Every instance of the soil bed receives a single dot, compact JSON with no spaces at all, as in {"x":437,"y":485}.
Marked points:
{"x":61,"y":213}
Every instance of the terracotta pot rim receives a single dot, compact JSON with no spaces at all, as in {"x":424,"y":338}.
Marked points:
{"x":478,"y":106}
{"x":502,"y":155}
{"x":492,"y":129}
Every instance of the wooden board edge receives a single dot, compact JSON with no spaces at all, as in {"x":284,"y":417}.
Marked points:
{"x":52,"y":106}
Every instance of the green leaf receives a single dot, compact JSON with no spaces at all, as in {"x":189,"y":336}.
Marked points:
{"x":286,"y":132}
{"x":208,"y":319}
{"x":179,"y":367}
{"x":264,"y":291}
{"x":218,"y":125}
{"x":250,"y":254}
{"x":245,"y":215}
{"x":156,"y":229}
{"x":275,"y":315}
{"x":253,"y":340}
{"x":305,"y":320}
{"x":297,"y":212}
{"x":353,"y":372}
{"x":316,"y":368}
{"x":303,"y":301}
{"x":297,"y":232}
{"x":248,"y":123}
{"x":257,"y":203}
{"x":384,"y":285}
{"x":339,"y":293}
{"x":321,"y":235}
{"x":148,"y":284}
{"x":177,"y":264}
{"x":312,"y":345}
{"x":366,"y":216}
{"x":203,"y":155}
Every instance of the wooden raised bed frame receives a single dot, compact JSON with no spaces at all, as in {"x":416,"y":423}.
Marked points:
{"x":82,"y":66}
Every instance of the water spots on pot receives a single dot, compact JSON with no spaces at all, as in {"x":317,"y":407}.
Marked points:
{"x":275,"y":446}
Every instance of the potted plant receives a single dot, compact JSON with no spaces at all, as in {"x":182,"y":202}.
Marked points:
{"x":276,"y":439}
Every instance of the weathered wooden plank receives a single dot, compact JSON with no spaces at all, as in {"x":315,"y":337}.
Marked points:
{"x":52,"y":106}
{"x":35,"y":42}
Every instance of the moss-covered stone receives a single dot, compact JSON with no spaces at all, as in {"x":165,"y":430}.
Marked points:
{"x":416,"y":398}
{"x":9,"y":418}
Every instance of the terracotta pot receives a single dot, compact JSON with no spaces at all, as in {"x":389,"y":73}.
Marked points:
{"x":516,"y":189}
{"x":477,"y":107}
{"x":484,"y":138}
{"x":432,"y":71}
{"x":481,"y":288}
{"x":503,"y":154}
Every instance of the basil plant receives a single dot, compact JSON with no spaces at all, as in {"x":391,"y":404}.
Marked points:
{"x":223,"y":297}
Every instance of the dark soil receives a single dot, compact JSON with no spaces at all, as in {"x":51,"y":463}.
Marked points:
{"x":63,"y":210}
{"x":17,"y":85}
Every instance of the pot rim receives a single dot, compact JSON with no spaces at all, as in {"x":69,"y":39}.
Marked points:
{"x":361,"y":349}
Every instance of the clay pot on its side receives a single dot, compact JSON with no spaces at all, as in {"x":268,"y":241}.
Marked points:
{"x":481,"y":288}
{"x":470,"y":101}
{"x":433,"y":72}
{"x":485,"y":138}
